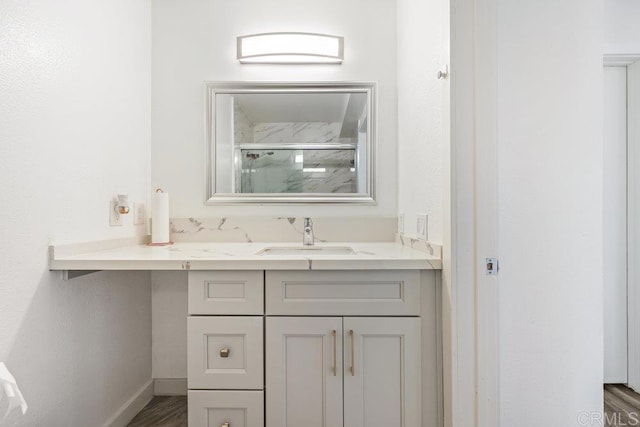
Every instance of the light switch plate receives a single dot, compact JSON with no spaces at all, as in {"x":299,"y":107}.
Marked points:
{"x":139,"y":213}
{"x":422,"y":226}
{"x":401,"y":223}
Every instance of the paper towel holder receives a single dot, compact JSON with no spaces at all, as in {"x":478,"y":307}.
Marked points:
{"x":169,"y":243}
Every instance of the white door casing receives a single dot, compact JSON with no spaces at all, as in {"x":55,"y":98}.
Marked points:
{"x":615,"y":224}
{"x":633,"y":272}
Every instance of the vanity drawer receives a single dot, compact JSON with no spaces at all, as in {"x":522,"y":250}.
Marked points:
{"x":225,"y":352}
{"x":236,"y":408}
{"x":330,"y":293}
{"x":226,"y":292}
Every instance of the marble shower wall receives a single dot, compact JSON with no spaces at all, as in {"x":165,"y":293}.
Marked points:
{"x":283,"y":229}
{"x":339,"y":175}
{"x":298,"y":171}
{"x":298,"y":133}
{"x":242,"y":126}
{"x":276,"y":171}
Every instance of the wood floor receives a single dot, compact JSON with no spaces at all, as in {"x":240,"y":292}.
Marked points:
{"x":621,"y":405}
{"x":163,"y":411}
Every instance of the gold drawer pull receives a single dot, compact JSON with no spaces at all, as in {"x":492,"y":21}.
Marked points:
{"x":353,"y":358}
{"x":335,"y":358}
{"x":225,"y":353}
{"x":225,"y":425}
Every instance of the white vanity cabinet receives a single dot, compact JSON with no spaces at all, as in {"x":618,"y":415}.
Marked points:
{"x":323,"y":349}
{"x":343,"y":371}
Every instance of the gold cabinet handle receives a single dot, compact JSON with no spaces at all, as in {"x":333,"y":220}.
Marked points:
{"x":335,"y":357}
{"x":224,"y":352}
{"x":353,"y":358}
{"x":225,"y":425}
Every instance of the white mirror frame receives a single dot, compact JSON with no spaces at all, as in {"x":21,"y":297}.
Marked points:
{"x":214,"y":88}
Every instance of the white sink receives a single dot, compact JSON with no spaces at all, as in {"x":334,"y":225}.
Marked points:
{"x":307,"y":250}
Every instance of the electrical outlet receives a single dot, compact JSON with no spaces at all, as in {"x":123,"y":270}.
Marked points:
{"x":401,"y":223}
{"x":139,"y":213}
{"x":422,"y":226}
{"x":115,"y":218}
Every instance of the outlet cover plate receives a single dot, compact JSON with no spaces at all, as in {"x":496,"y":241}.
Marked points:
{"x":115,"y":219}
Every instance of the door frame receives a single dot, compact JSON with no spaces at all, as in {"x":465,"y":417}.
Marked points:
{"x":633,"y":231}
{"x":612,"y":287}
{"x":626,"y":58}
{"x":470,"y":296}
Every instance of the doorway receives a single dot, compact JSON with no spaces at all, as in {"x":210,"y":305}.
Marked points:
{"x":621,"y":247}
{"x":615,"y":225}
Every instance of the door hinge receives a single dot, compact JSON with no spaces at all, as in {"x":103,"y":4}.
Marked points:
{"x":491,"y":266}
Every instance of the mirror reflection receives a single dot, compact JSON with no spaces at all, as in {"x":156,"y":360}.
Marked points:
{"x":298,"y":171}
{"x":305,"y":143}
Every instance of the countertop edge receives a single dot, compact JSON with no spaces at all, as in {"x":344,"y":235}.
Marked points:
{"x":91,"y":257}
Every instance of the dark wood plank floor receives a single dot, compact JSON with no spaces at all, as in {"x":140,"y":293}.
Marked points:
{"x":163,"y":411}
{"x":621,"y":406}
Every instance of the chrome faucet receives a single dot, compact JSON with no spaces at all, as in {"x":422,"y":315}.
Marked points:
{"x":307,"y":234}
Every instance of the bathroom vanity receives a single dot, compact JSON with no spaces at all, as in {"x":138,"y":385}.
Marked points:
{"x":341,"y":334}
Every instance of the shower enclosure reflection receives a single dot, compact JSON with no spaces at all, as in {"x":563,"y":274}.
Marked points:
{"x":297,"y":171}
{"x":308,"y":143}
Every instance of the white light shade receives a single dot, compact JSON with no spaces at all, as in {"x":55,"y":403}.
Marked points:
{"x":290,"y":48}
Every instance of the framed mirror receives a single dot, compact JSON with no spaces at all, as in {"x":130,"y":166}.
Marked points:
{"x":290,"y":142}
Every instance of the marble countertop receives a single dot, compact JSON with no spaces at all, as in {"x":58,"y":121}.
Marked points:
{"x":237,"y":256}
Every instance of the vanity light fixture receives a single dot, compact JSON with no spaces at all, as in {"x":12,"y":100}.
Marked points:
{"x":290,"y":48}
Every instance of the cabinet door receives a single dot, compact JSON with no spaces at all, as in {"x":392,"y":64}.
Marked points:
{"x":382,"y":372}
{"x":304,"y":372}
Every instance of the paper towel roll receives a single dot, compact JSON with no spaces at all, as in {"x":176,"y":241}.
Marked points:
{"x":160,"y":217}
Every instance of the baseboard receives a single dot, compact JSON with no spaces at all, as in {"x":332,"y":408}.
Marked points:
{"x":170,"y":387}
{"x":131,"y":407}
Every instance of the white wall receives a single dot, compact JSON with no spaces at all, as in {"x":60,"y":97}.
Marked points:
{"x":170,"y":313}
{"x":75,"y":130}
{"x":195,"y":41}
{"x":621,"y":29}
{"x":422,"y":52}
{"x":550,"y":210}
